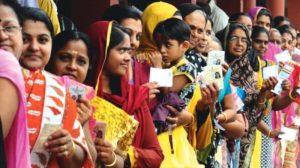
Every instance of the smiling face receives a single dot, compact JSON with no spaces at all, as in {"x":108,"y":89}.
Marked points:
{"x":11,"y":42}
{"x":72,"y":60}
{"x":260,"y":44}
{"x":237,"y":45}
{"x":118,"y":58}
{"x":37,"y":45}
{"x":287,"y":42}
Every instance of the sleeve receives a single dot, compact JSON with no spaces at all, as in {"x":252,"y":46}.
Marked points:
{"x":188,"y":70}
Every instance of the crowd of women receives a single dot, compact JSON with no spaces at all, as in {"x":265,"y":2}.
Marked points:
{"x":84,"y":99}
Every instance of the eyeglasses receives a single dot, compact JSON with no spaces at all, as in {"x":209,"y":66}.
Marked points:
{"x":11,"y":30}
{"x":236,"y":39}
{"x":257,"y":41}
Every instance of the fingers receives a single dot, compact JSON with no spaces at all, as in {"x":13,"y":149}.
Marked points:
{"x":172,"y":120}
{"x":59,"y":143}
{"x":172,"y":110}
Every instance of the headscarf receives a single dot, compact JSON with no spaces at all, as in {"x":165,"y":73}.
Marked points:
{"x":253,"y":12}
{"x":152,"y":15}
{"x":132,"y":99}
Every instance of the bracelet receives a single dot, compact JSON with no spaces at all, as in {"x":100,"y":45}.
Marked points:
{"x":114,"y":162}
{"x":291,"y":96}
{"x":262,"y":103}
{"x":73,"y":150}
{"x":269,"y":133}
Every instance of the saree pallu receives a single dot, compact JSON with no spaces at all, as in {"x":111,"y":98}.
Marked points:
{"x":49,"y":102}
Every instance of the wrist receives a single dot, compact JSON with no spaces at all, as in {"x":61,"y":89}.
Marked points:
{"x":113,"y":162}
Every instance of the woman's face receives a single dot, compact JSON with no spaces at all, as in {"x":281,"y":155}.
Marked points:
{"x":286,"y":42}
{"x":263,"y":21}
{"x":135,"y":28}
{"x":237,"y":44}
{"x":245,"y":20}
{"x":72,"y":60}
{"x":260,"y":44}
{"x":37,"y":45}
{"x":10,"y":31}
{"x":118,"y":58}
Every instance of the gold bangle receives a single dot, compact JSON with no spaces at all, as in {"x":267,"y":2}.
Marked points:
{"x":269,"y":134}
{"x":114,"y":162}
{"x":291,"y":97}
{"x":73,"y":150}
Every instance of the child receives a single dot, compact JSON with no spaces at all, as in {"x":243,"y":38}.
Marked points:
{"x":172,"y":38}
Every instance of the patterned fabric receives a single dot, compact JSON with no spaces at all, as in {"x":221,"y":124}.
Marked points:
{"x":48,"y":102}
{"x":266,"y":145}
{"x":197,"y":60}
{"x":183,"y":67}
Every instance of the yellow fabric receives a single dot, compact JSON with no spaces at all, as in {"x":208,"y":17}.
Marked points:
{"x":49,"y":8}
{"x":204,"y":134}
{"x":131,"y":156}
{"x":255,"y":162}
{"x":184,"y":155}
{"x":121,"y":127}
{"x":180,"y":63}
{"x":259,"y":75}
{"x":152,"y":15}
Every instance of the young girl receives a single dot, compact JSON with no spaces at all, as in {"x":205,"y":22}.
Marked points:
{"x":49,"y":103}
{"x":113,"y":49}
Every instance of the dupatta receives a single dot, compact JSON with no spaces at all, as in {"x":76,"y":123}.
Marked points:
{"x":145,"y":150}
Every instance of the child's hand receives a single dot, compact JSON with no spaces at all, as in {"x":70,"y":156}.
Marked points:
{"x":156,"y":59}
{"x":286,"y":85}
{"x":84,"y":109}
{"x":210,"y":95}
{"x":153,"y":89}
{"x":180,"y":117}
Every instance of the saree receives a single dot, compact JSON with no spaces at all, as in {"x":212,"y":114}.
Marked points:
{"x":49,"y":102}
{"x":145,"y":150}
{"x":16,"y":143}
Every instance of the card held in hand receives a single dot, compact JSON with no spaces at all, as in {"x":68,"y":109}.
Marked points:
{"x":215,"y":58}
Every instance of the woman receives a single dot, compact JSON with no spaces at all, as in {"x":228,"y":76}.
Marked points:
{"x":112,"y":46}
{"x":236,"y":42}
{"x":71,"y":55}
{"x":54,"y":140}
{"x":13,"y":113}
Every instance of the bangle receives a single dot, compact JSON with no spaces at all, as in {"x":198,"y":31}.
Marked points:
{"x":73,"y":150}
{"x":114,"y":162}
{"x":269,"y":133}
{"x":291,"y":96}
{"x":224,"y":117}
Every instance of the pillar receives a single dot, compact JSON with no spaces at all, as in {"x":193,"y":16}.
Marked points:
{"x":293,"y":12}
{"x":248,"y":4}
{"x":276,"y":7}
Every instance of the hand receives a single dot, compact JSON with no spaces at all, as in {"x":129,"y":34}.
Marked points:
{"x":156,"y":59}
{"x":210,"y":95}
{"x":140,"y":58}
{"x":275,"y":133}
{"x":225,"y":68}
{"x":281,"y":65}
{"x":60,"y":143}
{"x":286,"y":85}
{"x":178,"y":117}
{"x":153,"y":89}
{"x":84,"y":110}
{"x":105,"y":151}
{"x":269,"y":84}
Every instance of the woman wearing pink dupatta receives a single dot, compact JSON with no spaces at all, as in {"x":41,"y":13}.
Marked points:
{"x":16,"y":140}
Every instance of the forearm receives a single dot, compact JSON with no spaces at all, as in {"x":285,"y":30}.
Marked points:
{"x":227,"y":116}
{"x":90,"y":142}
{"x":75,"y":161}
{"x":281,"y":102}
{"x":263,"y":128}
{"x":236,"y":128}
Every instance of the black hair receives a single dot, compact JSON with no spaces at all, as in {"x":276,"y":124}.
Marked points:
{"x":118,"y":33}
{"x":36,"y":14}
{"x":16,"y":7}
{"x":120,"y":12}
{"x":278,"y":20}
{"x":61,"y":39}
{"x":285,"y":29}
{"x":172,"y":28}
{"x":188,"y":8}
{"x":257,"y":30}
{"x":298,"y":35}
{"x":236,"y":16}
{"x":265,"y":12}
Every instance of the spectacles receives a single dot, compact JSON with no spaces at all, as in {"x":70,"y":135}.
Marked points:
{"x":236,"y":39}
{"x":261,"y":42}
{"x":11,"y":30}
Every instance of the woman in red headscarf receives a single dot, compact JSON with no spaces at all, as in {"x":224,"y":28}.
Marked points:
{"x":112,"y":44}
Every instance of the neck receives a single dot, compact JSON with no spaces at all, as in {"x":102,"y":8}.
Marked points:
{"x":105,"y":83}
